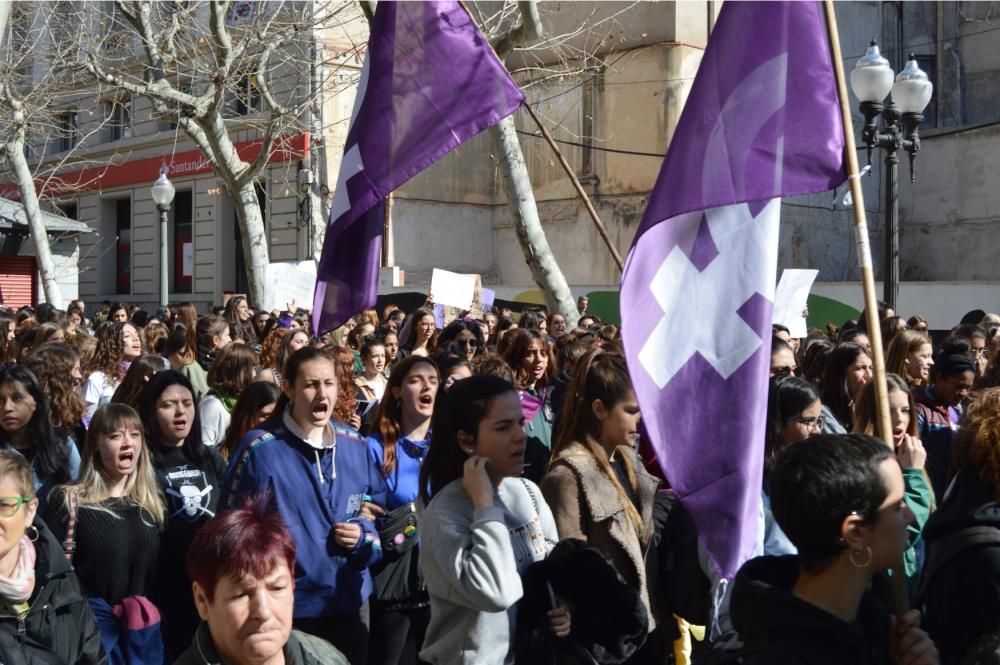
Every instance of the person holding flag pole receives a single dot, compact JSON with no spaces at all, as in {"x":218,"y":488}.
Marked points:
{"x":764,"y":119}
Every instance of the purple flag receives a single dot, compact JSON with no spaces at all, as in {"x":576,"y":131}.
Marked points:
{"x":762,"y":121}
{"x":430,"y":81}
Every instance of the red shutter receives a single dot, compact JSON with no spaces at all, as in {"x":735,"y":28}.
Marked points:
{"x":17,"y":281}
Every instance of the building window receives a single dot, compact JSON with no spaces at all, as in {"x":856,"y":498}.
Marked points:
{"x":183,"y":243}
{"x":68,"y":209}
{"x":123,"y":246}
{"x":119,"y":119}
{"x":68,"y":132}
{"x":245,"y":98}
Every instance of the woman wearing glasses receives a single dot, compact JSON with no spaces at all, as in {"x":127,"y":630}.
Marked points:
{"x":46,"y":618}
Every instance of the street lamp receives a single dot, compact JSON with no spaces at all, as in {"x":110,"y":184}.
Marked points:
{"x":163,"y":195}
{"x":872,"y":81}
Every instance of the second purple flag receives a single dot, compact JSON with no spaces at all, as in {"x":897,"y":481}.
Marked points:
{"x":762,"y":121}
{"x":430,"y":81}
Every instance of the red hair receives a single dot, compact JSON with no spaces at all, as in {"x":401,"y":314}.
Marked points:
{"x":248,"y":540}
{"x":346,"y":388}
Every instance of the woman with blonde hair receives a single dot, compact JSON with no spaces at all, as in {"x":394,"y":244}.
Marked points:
{"x":109,"y":522}
{"x":595,"y":475}
{"x":911,"y":356}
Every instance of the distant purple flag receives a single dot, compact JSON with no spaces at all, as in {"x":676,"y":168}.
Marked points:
{"x":430,"y":81}
{"x":762,"y":121}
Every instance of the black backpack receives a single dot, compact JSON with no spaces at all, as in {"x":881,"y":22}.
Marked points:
{"x":683,"y":585}
{"x":942,"y":553}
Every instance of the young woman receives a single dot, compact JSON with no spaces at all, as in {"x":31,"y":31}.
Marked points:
{"x":482,"y":527}
{"x":238,"y":316}
{"x":8,"y":350}
{"x":960,"y":584}
{"x":230,"y":374}
{"x":847,"y":372}
{"x":26,"y":428}
{"x":291,"y":340}
{"x":467,"y":334}
{"x":255,"y":405}
{"x":390,"y":341}
{"x":118,"y":313}
{"x":211,"y":334}
{"x":911,"y":455}
{"x":840,"y":500}
{"x":528,"y":355}
{"x":595,"y":474}
{"x":910,"y":355}
{"x":423,"y":334}
{"x":398,"y":445}
{"x":45,"y":619}
{"x":190,"y":476}
{"x":57,"y":368}
{"x":117,"y":346}
{"x":139,"y":372}
{"x":321,"y":479}
{"x":372,"y":382}
{"x":117,"y":513}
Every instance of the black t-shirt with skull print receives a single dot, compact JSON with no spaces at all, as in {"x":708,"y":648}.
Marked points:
{"x":191,"y":493}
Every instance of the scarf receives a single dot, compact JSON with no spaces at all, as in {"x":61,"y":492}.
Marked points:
{"x":227,"y":398}
{"x":16,"y":589}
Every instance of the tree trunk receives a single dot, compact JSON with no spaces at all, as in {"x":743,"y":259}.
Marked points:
{"x":14,"y":150}
{"x":528,"y":227}
{"x":254,"y":241}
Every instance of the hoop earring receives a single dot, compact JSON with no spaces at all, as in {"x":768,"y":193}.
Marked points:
{"x":868,"y":557}
{"x":31,"y":531}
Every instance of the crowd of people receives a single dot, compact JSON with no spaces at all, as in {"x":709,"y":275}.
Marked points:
{"x":229,"y":487}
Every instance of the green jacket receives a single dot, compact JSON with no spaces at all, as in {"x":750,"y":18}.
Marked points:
{"x":920,"y":501}
{"x":301,"y":649}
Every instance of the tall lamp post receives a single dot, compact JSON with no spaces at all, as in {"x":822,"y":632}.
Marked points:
{"x":163,"y":195}
{"x":872,"y":81}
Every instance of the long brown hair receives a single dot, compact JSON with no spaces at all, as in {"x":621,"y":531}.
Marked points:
{"x":389,"y":416}
{"x":521,"y":339}
{"x":866,"y":413}
{"x":903,"y":344}
{"x":233,"y":368}
{"x":598,"y":375}
{"x":343,"y":359}
{"x":110,"y":352}
{"x":411,"y":341}
{"x":52,"y":363}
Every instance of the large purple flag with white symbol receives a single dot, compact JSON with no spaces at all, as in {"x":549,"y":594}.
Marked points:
{"x":430,"y":81}
{"x":762,"y":121}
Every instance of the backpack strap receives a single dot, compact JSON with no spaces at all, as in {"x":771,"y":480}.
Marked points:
{"x":950,"y":549}
{"x":69,"y":544}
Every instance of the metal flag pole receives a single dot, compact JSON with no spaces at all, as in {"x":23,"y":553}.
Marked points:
{"x":867,"y":272}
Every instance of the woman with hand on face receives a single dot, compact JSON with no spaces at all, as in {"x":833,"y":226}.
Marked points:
{"x":113,"y":515}
{"x":910,"y":453}
{"x":482,"y":527}
{"x":190,"y":476}
{"x":840,"y":500}
{"x":45,"y":617}
{"x":322,"y":482}
{"x":26,"y":429}
{"x":397,"y":446}
{"x":118,"y":345}
{"x":595,"y":473}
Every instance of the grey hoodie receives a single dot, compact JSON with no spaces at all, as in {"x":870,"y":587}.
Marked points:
{"x":472,"y":561}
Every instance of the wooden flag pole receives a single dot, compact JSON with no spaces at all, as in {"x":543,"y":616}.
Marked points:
{"x":579,"y":187}
{"x":867,"y":272}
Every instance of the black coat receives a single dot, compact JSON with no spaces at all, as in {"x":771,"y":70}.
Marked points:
{"x":961,"y":602}
{"x":59,"y":627}
{"x":779,"y":629}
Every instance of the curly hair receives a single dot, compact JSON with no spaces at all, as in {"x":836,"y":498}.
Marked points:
{"x":110,"y":351}
{"x":269,"y":348}
{"x":346,"y":400}
{"x":52,"y":364}
{"x":978,"y":443}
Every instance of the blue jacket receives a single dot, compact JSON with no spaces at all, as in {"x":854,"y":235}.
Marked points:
{"x":403,"y":484}
{"x":313,"y":489}
{"x":42,"y":485}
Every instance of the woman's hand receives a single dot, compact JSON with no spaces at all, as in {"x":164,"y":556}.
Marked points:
{"x":911,"y":453}
{"x":369,"y":511}
{"x":346,"y":534}
{"x":909,"y":644}
{"x":476,"y":482}
{"x":354,"y":421}
{"x":559,"y":620}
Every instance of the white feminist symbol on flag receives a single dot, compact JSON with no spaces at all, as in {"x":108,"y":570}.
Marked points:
{"x":734,"y":253}
{"x":352,"y":163}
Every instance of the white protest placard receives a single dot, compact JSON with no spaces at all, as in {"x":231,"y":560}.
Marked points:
{"x":453,"y":289}
{"x":287,"y":281}
{"x":790,"y":299}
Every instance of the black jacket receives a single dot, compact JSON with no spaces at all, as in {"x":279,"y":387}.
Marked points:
{"x":961,"y":602}
{"x":779,"y":629}
{"x":59,"y":627}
